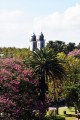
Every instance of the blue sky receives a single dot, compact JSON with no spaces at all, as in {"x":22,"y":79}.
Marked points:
{"x":57,"y":19}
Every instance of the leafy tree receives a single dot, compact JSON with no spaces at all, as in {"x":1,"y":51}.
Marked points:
{"x":72,"y":83}
{"x":60,"y":46}
{"x":18,"y":90}
{"x":70,"y":47}
{"x":45,"y":65}
{"x":17,"y":53}
{"x":73,"y":96}
{"x":57,"y":46}
{"x":78,"y":46}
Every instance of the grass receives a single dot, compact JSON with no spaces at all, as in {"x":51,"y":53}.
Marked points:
{"x":70,"y":112}
{"x":70,"y":118}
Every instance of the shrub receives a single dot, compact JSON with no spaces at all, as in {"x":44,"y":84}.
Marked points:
{"x":51,"y":113}
{"x":75,"y":53}
{"x":54,"y":118}
{"x":18,"y":92}
{"x":59,"y":117}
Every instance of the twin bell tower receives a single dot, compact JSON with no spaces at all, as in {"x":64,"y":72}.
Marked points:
{"x":37,"y":43}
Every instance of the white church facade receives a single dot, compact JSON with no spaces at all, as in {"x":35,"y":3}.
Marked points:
{"x":37,"y":43}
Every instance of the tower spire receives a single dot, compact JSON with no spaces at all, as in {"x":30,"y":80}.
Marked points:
{"x":33,"y":44}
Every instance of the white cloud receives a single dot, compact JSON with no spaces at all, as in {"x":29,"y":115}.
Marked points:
{"x":14,"y":28}
{"x":62,"y":26}
{"x":17,"y":27}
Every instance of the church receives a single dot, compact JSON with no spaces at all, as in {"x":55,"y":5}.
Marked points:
{"x":37,"y":43}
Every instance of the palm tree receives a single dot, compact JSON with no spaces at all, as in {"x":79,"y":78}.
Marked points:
{"x":45,"y":65}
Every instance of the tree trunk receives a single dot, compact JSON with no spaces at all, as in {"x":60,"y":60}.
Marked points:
{"x":57,"y":107}
{"x":42,"y":90}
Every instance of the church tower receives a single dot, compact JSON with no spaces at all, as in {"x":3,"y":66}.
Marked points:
{"x":41,"y":42}
{"x":33,"y":44}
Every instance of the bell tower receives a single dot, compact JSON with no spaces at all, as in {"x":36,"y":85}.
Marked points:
{"x":33,"y":44}
{"x":41,"y":42}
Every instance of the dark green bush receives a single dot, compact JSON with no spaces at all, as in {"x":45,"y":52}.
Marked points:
{"x":48,"y":118}
{"x":59,"y":117}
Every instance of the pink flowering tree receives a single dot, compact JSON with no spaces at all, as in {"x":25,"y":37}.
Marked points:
{"x":18,"y":89}
{"x":75,"y":53}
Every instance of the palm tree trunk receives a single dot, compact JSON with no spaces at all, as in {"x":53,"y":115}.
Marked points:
{"x":42,"y":96}
{"x":42,"y":89}
{"x":57,"y":107}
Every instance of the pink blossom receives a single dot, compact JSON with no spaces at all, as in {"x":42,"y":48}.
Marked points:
{"x":75,"y":53}
{"x":16,"y":88}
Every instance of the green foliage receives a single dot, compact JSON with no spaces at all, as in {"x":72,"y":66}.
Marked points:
{"x":73,"y":96}
{"x":60,"y":46}
{"x":72,"y":83}
{"x":46,"y":61}
{"x":51,"y":113}
{"x":56,"y":46}
{"x":46,"y":67}
{"x":12,"y":52}
{"x":51,"y":118}
{"x":59,"y":117}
